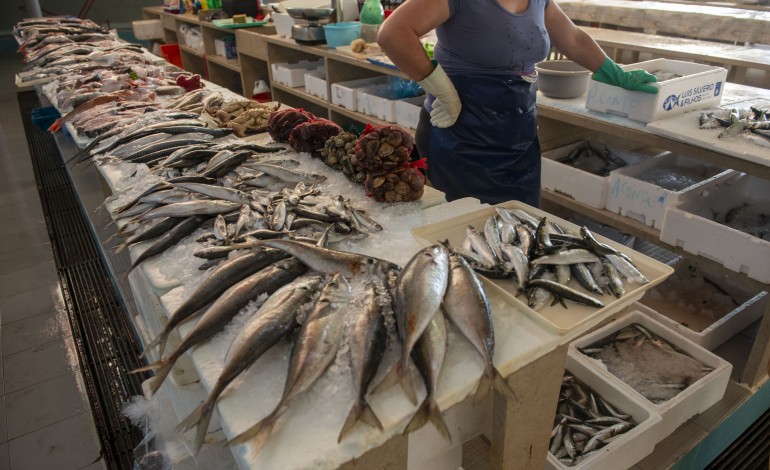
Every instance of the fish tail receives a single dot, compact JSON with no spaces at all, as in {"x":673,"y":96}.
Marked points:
{"x":399,"y":373}
{"x":502,"y":386}
{"x":257,"y":434}
{"x":428,"y":411}
{"x":200,"y":417}
{"x":161,"y":338}
{"x":492,"y":379}
{"x":363,"y":412}
{"x":120,"y":248}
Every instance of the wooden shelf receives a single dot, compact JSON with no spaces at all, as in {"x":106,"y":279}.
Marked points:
{"x":190,"y":50}
{"x":232,"y":64}
{"x":300,"y":92}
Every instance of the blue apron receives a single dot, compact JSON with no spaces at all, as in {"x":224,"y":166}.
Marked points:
{"x":492,"y":152}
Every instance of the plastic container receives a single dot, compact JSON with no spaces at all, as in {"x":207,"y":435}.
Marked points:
{"x":171,"y":53}
{"x":690,"y":225}
{"x":630,"y":447}
{"x":647,"y":202}
{"x":554,"y":317}
{"x":345,"y":94}
{"x":694,"y":399}
{"x":562,"y":78}
{"x":706,"y":330}
{"x":315,"y":83}
{"x":283,"y":23}
{"x":580,"y":185}
{"x":44,"y":117}
{"x":699,"y":87}
{"x":341,"y":34}
{"x":293,"y":74}
{"x":408,"y":111}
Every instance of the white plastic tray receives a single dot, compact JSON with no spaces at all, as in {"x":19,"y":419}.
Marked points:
{"x":555,"y":317}
{"x":694,"y":399}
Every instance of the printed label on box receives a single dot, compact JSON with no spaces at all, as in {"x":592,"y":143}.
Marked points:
{"x":692,"y":96}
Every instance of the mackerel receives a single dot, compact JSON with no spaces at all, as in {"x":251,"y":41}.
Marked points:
{"x":216,"y":192}
{"x":218,"y":281}
{"x":168,"y":239}
{"x":224,"y":309}
{"x":367,"y":340}
{"x":274,"y":320}
{"x":185,"y":209}
{"x":466,"y":305}
{"x":314,"y":351}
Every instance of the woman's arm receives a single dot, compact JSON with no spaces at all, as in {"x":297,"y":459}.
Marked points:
{"x":571,"y":40}
{"x":399,"y":35}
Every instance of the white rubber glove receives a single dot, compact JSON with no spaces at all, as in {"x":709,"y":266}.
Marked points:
{"x":446,"y":107}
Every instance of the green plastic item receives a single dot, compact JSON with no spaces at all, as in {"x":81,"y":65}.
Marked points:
{"x":372,"y":12}
{"x":634,"y":80}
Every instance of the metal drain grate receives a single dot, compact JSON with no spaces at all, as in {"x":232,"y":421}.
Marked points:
{"x":750,"y":451}
{"x":106,"y":347}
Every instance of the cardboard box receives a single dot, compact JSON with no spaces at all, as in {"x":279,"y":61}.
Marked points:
{"x":694,"y":399}
{"x":147,"y":29}
{"x":408,"y":111}
{"x":646,"y":201}
{"x":630,"y":447}
{"x":691,"y":225}
{"x":345,"y":94}
{"x":580,"y":185}
{"x":700,"y":86}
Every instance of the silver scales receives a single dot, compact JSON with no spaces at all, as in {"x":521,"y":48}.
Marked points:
{"x":312,"y":32}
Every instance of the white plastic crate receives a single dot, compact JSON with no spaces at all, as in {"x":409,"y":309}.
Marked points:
{"x":315,"y":83}
{"x":694,"y":399}
{"x":630,"y":447}
{"x":578,"y":184}
{"x":408,"y":111}
{"x":379,"y":101}
{"x":293,"y":74}
{"x":691,"y":226}
{"x":345,"y":94}
{"x":147,"y":29}
{"x":647,"y":202}
{"x":700,"y":86}
{"x":703,"y":330}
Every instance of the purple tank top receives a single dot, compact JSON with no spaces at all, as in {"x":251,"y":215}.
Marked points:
{"x":482,"y":37}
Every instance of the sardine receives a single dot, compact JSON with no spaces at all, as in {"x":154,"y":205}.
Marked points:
{"x":314,"y":351}
{"x":627,"y":269}
{"x":577,"y":255}
{"x":566,"y":292}
{"x":481,"y":246}
{"x":466,"y":305}
{"x":274,"y":320}
{"x":367,"y":340}
{"x":519,"y":261}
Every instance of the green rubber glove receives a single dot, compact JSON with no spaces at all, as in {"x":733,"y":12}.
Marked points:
{"x":634,"y":80}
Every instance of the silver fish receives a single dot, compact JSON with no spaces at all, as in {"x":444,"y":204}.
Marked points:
{"x":627,"y":269}
{"x":575,"y":255}
{"x":219,"y":314}
{"x":314,"y":351}
{"x":480,"y":245}
{"x":466,"y":305}
{"x":519,"y":261}
{"x":492,"y":236}
{"x":421,"y":287}
{"x":274,"y":320}
{"x":190,"y":208}
{"x":367,"y":340}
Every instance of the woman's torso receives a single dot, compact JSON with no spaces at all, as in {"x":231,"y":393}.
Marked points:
{"x":484,"y":37}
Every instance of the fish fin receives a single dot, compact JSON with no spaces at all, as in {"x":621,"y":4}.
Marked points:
{"x":161,"y":373}
{"x":491,"y":378}
{"x":200,"y":417}
{"x":402,"y":374}
{"x":257,"y":434}
{"x":361,"y":411}
{"x":428,"y":411}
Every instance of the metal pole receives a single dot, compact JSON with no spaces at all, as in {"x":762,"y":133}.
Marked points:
{"x":33,"y":8}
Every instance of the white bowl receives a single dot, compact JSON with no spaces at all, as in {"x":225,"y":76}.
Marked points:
{"x":562,"y":78}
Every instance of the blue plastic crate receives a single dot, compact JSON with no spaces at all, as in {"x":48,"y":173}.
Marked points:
{"x":44,"y":117}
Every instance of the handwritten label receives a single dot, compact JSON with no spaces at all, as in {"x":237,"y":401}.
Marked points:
{"x":613,"y":98}
{"x":622,"y":189}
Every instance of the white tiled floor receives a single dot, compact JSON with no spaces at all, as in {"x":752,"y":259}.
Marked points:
{"x":45,"y":418}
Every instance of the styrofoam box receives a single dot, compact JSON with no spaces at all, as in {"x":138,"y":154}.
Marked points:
{"x":691,"y":226}
{"x":379,"y":101}
{"x":147,"y":29}
{"x":631,"y":446}
{"x":694,"y":399}
{"x":408,"y":111}
{"x":578,"y":184}
{"x":283,"y":24}
{"x":700,"y":329}
{"x":647,"y":202}
{"x":293,"y":74}
{"x":345,"y":94}
{"x":315,"y":83}
{"x":700,"y":87}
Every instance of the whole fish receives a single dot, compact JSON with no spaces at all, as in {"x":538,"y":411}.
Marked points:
{"x":566,"y":292}
{"x":274,"y":320}
{"x":519,"y":261}
{"x":314,"y":351}
{"x":429,"y":354}
{"x":627,"y":269}
{"x":367,"y":340}
{"x":331,"y":261}
{"x":178,"y":232}
{"x":421,"y":287}
{"x":218,"y":281}
{"x":466,"y":305}
{"x":576,"y":255}
{"x":222,"y":311}
{"x":217,"y":192}
{"x":190,"y":208}
{"x":480,"y":245}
